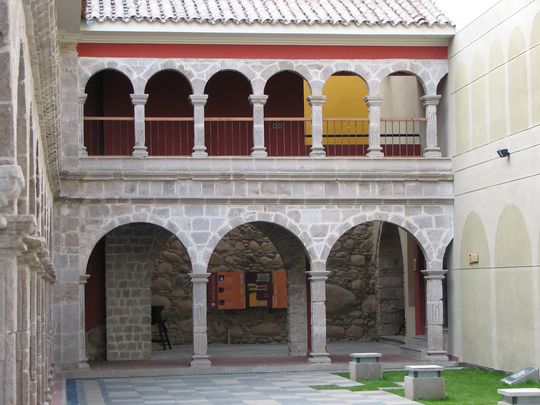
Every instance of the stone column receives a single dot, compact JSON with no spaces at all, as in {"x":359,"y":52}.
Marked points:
{"x":198,"y":101}
{"x":200,"y":356}
{"x":434,"y":314}
{"x":80,"y":137}
{"x":430,"y":103}
{"x":258,"y":102}
{"x":317,"y":148}
{"x":139,"y":101}
{"x":317,"y":283}
{"x":374,"y":104}
{"x":33,"y":334}
{"x":83,"y":362}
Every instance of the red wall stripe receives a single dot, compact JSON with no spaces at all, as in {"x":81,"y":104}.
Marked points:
{"x":260,"y":51}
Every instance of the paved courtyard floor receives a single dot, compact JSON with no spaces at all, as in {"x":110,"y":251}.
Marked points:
{"x":233,"y":389}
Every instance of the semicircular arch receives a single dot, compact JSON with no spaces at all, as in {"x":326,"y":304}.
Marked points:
{"x":93,"y":70}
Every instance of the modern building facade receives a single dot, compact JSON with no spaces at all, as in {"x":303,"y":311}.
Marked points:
{"x":346,"y":149}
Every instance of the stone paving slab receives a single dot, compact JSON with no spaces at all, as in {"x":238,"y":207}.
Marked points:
{"x":240,"y":389}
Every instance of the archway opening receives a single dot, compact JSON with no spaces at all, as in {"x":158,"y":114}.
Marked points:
{"x":345,"y":115}
{"x":108,"y":114}
{"x":403,"y":123}
{"x":133,"y":270}
{"x":257,"y":290}
{"x":375,"y":290}
{"x":169,"y":115}
{"x":285,"y":123}
{"x":228,"y":112}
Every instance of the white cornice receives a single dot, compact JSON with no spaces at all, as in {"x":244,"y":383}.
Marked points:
{"x":196,"y":33}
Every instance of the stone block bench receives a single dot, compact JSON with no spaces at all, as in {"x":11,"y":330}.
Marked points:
{"x":365,"y":366}
{"x":424,"y":381}
{"x":529,"y":396}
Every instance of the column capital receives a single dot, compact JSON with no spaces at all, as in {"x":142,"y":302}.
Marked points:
{"x":320,"y":275}
{"x":430,"y":100}
{"x":199,"y":278}
{"x":258,"y":99}
{"x":139,"y":99}
{"x":81,"y":98}
{"x":316,"y":100}
{"x":434,"y":274}
{"x":198,"y":99}
{"x":83,"y":278}
{"x":374,"y":101}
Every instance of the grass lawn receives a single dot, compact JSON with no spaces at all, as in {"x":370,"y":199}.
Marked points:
{"x":463,"y":387}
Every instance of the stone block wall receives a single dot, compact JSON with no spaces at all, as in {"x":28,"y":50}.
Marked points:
{"x":130,"y":255}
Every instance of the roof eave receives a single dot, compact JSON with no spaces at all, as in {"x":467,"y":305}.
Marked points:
{"x":275,"y":34}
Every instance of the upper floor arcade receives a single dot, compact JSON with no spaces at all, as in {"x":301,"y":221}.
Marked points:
{"x":260,"y":108}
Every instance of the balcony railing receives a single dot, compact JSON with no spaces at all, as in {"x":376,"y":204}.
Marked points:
{"x":233,"y":136}
{"x":228,"y":136}
{"x":109,"y":136}
{"x":169,"y":136}
{"x":402,"y":137}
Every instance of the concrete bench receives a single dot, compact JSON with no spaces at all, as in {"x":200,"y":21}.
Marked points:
{"x":530,"y":396}
{"x":424,"y":381}
{"x":365,"y":366}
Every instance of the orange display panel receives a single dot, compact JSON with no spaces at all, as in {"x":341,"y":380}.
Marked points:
{"x":279,"y":289}
{"x":226,"y":290}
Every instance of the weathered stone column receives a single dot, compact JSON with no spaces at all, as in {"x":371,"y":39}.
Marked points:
{"x":317,"y":147}
{"x":139,"y":101}
{"x":430,"y":103}
{"x":33,"y":333}
{"x":200,"y":356}
{"x":434,"y":314}
{"x":374,"y":104}
{"x":198,"y":101}
{"x":258,"y":102}
{"x":80,"y":134}
{"x":40,"y":335}
{"x":83,"y":362}
{"x":317,"y":283}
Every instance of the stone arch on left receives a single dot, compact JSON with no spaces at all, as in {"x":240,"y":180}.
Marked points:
{"x":132,"y":268}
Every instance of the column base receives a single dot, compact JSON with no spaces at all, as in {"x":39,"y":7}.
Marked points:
{"x":259,"y":152}
{"x":140,"y":152}
{"x":317,"y":153}
{"x":375,"y":153}
{"x":83,"y":364}
{"x":432,"y":152}
{"x":200,"y":360}
{"x":83,"y":152}
{"x":199,"y":153}
{"x":318,"y":358}
{"x":436,"y":355}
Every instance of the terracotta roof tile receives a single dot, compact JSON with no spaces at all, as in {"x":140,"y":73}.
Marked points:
{"x":334,"y":12}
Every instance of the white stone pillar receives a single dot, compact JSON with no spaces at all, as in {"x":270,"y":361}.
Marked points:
{"x":430,"y":103}
{"x":139,"y":101}
{"x":434,"y":314}
{"x":80,"y":136}
{"x":199,"y":147}
{"x":374,"y":104}
{"x":317,"y":147}
{"x":317,"y":283}
{"x":200,"y":356}
{"x":83,"y":359}
{"x":258,"y":102}
{"x":33,"y":333}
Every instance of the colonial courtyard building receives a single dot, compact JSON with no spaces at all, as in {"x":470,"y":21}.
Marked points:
{"x":263,"y":172}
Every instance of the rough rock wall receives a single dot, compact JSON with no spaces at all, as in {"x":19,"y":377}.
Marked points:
{"x":351,"y":296}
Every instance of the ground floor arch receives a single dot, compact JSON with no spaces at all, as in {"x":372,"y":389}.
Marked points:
{"x":132,"y":269}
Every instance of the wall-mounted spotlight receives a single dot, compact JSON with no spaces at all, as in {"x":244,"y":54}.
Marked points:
{"x":503,"y":153}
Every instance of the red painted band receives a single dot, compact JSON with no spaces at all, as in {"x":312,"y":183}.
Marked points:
{"x":260,"y":51}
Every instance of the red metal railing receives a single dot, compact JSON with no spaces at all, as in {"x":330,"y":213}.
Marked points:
{"x":109,"y":135}
{"x":286,"y":136}
{"x":402,"y":137}
{"x":346,"y":136}
{"x":229,"y":136}
{"x":169,"y":136}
